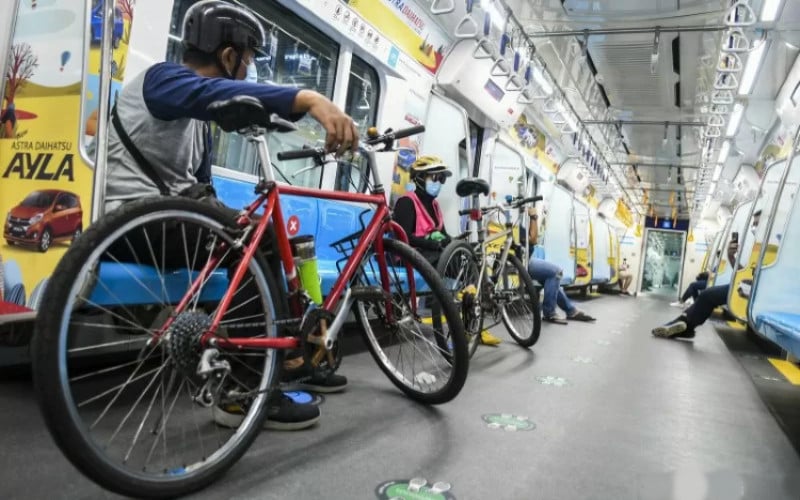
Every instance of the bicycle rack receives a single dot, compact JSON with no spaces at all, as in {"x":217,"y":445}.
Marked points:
{"x":722,"y":78}
{"x":735,"y":41}
{"x":448,"y":7}
{"x":732,"y":18}
{"x":730,"y":63}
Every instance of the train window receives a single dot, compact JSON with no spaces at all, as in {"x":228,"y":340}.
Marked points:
{"x":363,"y":92}
{"x":296,"y":54}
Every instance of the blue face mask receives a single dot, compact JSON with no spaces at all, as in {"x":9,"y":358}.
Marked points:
{"x":252,"y":73}
{"x":433,"y":188}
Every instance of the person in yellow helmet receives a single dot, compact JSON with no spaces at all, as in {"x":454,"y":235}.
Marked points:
{"x":419,"y":214}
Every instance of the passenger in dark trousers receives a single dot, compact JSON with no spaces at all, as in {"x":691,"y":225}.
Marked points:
{"x":161,"y":144}
{"x":709,"y":299}
{"x":693,"y":290}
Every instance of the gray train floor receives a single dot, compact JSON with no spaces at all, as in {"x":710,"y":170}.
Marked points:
{"x":618,"y":414}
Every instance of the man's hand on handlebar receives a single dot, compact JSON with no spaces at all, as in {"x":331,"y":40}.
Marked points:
{"x":342,"y":134}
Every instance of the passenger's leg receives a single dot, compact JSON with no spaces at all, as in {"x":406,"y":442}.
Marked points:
{"x":549,"y":275}
{"x":568,"y":307}
{"x":696,"y":315}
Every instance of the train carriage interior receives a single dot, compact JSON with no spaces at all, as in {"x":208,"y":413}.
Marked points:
{"x":565,"y":231}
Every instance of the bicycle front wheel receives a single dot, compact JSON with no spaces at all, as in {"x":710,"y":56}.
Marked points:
{"x":126,"y":399}
{"x":460,"y":270}
{"x":518,"y":302}
{"x":426,"y":362}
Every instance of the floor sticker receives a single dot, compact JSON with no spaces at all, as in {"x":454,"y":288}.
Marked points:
{"x":305,"y":398}
{"x":581,"y":359}
{"x":416,"y":488}
{"x":602,"y":342}
{"x":551,"y":380}
{"x":508,"y":422}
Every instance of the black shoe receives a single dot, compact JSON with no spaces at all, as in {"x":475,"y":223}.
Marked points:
{"x":287,"y":415}
{"x":676,"y":328}
{"x":303,"y":379}
{"x":282,"y":415}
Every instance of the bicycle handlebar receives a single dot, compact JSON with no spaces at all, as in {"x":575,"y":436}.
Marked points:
{"x":387,"y":138}
{"x":390,"y":136}
{"x":301,"y":153}
{"x":514,"y":204}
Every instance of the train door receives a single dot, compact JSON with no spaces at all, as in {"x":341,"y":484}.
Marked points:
{"x":582,"y":244}
{"x":663,"y":259}
{"x":601,"y":251}
{"x":447,"y":130}
{"x":557,"y":230}
{"x":756,"y":237}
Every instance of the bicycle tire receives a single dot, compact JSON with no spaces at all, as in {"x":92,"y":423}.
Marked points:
{"x":533,"y":302}
{"x":50,"y":357}
{"x":472,"y":329}
{"x":457,"y":356}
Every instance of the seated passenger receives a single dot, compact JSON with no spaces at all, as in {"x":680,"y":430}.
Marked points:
{"x":419,"y":214}
{"x":693,"y":290}
{"x":625,"y":277}
{"x":709,"y":299}
{"x":161,"y":143}
{"x":549,"y":276}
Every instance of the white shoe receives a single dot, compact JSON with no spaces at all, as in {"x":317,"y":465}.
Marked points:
{"x":677,"y":304}
{"x":688,"y":302}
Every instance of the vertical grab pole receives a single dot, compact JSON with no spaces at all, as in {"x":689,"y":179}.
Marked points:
{"x":101,"y":150}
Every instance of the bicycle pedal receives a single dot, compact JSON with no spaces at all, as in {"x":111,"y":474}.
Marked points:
{"x":369,"y":293}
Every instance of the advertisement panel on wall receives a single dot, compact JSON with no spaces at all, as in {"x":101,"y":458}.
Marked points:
{"x":45,"y":186}
{"x":407,"y":25}
{"x":536,"y":143}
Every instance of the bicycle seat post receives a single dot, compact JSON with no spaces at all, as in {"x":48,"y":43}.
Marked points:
{"x":258,"y":136}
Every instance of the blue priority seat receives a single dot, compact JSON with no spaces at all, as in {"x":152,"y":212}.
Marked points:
{"x":782,"y":328}
{"x":138,"y":284}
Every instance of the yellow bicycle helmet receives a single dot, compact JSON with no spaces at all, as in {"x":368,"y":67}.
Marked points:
{"x":429,"y":165}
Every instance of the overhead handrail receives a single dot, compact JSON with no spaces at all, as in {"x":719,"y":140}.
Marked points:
{"x":736,"y":41}
{"x":500,"y":68}
{"x":448,"y":7}
{"x":726,"y":81}
{"x":713,"y":132}
{"x":730,"y":63}
{"x":719,"y":109}
{"x":722,"y":97}
{"x":716,"y":121}
{"x":514,"y":83}
{"x":484,"y":49}
{"x":734,"y":18}
{"x":467,"y":27}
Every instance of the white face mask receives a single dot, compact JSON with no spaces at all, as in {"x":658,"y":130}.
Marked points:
{"x":252,"y":73}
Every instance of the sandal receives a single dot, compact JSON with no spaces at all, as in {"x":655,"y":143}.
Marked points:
{"x":556,"y":320}
{"x":581,"y":316}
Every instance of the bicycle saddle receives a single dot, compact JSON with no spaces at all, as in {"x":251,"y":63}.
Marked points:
{"x":471,"y":186}
{"x":244,"y":111}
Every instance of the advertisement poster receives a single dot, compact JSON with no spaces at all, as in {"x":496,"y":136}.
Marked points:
{"x":409,"y":26}
{"x":46,"y":187}
{"x":535,"y":143}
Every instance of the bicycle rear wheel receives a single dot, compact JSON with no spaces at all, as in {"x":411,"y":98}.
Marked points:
{"x":125,"y":403}
{"x":460,"y":270}
{"x":519,"y":302}
{"x":427,"y":363}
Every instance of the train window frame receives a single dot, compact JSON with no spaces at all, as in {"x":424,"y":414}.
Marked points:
{"x":363,"y":88}
{"x":286,"y":31}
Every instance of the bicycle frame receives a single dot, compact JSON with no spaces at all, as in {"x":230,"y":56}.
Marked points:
{"x":268,"y":197}
{"x":484,"y":242}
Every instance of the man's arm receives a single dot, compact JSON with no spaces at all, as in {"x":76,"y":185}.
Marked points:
{"x":172,"y":91}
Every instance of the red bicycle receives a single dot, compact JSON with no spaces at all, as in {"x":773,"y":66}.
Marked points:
{"x":164,"y":326}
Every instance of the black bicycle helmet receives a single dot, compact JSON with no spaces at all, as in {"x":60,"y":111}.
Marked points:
{"x":212,"y":24}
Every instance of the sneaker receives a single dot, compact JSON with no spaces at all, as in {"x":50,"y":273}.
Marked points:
{"x":302,"y":379}
{"x":671,"y":329}
{"x":489,"y":339}
{"x":285,"y":415}
{"x":677,"y":304}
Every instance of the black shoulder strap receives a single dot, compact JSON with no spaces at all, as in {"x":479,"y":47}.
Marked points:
{"x":145,"y":165}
